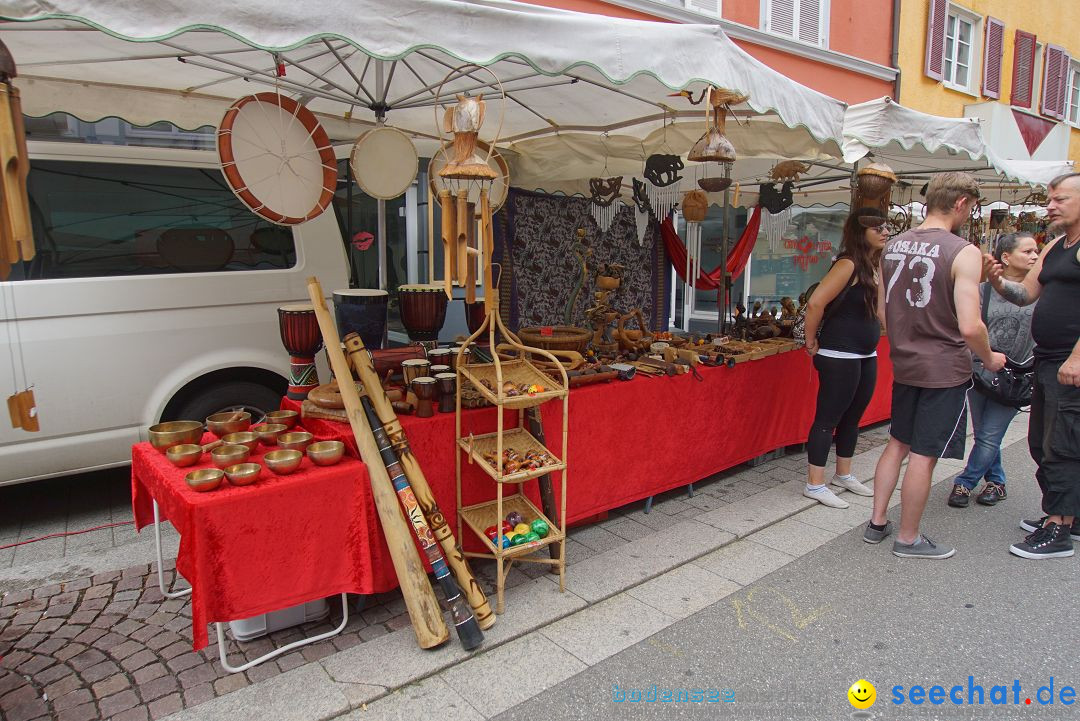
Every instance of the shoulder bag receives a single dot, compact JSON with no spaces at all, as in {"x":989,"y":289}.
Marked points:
{"x":1011,"y":386}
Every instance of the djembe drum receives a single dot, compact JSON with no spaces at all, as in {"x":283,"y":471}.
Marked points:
{"x":413,"y":368}
{"x":466,"y":358}
{"x":301,"y":338}
{"x":436,"y":370}
{"x":423,"y":312}
{"x":447,"y":391}
{"x":362,"y":311}
{"x":424,"y":389}
{"x":439,"y":356}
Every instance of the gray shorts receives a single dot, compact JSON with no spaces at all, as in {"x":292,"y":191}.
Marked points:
{"x":933,"y":421}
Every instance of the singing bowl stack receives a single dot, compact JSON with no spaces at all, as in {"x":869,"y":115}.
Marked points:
{"x":243,"y":474}
{"x":326,"y":453}
{"x":287,"y":418}
{"x":185,"y":454}
{"x":222,"y":424}
{"x":164,"y":436}
{"x":246,"y":438}
{"x":295,"y":440}
{"x":283,"y":462}
{"x":225,"y":456}
{"x":268,"y":432}
{"x":205,"y":479}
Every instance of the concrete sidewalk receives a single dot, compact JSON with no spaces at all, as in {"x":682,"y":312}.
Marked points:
{"x":628,"y":577}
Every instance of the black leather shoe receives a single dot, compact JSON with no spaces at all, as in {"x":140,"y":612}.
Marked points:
{"x":960,"y":496}
{"x":991,"y":494}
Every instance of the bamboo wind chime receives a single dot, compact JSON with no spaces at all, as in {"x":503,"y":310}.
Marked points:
{"x":16,"y":232}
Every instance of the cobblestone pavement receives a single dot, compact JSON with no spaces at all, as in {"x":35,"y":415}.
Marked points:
{"x":111,"y":646}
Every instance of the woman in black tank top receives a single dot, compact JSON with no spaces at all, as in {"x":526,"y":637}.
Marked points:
{"x":842,"y":334}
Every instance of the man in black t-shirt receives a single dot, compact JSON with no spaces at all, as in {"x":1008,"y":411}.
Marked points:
{"x":1054,"y":428}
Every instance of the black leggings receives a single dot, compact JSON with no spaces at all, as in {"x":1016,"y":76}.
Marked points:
{"x":845,"y":388}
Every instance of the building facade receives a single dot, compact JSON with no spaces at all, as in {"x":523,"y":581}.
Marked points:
{"x":1014,"y":65}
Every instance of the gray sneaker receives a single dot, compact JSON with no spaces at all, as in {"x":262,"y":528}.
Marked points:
{"x":922,"y":548}
{"x":873,"y":535}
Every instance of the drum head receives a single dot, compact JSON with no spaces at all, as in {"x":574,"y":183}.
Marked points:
{"x":359,"y":292}
{"x":499,"y":186}
{"x":384,"y":163}
{"x":276,"y":158}
{"x":297,"y":308}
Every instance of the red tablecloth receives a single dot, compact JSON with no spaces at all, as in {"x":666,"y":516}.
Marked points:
{"x":290,"y":540}
{"x":283,"y":541}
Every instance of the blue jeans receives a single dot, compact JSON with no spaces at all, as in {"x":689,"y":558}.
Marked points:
{"x":990,"y":420}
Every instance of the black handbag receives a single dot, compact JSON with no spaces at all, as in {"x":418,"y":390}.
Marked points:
{"x":1012,"y":385}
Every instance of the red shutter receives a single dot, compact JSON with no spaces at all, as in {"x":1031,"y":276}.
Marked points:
{"x":1063,"y":86}
{"x":1023,"y":67}
{"x":992,"y":53}
{"x":935,"y":38}
{"x":1053,"y":96}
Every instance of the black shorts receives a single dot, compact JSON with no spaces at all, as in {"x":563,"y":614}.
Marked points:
{"x":933,"y":421}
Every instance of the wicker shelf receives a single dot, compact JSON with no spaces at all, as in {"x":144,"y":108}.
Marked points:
{"x":485,"y":515}
{"x":517,"y":438}
{"x":519,"y":372}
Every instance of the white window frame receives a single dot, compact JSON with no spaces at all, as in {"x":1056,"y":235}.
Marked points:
{"x":823,"y":15}
{"x":974,"y":68}
{"x":1072,"y":84}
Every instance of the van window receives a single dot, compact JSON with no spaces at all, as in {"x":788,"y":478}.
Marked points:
{"x":111,"y":219}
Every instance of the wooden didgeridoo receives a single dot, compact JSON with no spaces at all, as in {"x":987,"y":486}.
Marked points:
{"x":474,"y":594}
{"x":420,"y":601}
{"x":547,"y":493}
{"x":464,"y":622}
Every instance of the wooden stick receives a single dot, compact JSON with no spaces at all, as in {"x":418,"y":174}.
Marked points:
{"x":470,"y":270}
{"x":449,"y":225}
{"x":461,"y":244}
{"x":427,"y":620}
{"x":474,"y":594}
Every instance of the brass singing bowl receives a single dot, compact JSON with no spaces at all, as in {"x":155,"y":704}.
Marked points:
{"x":243,"y":474}
{"x":164,"y":436}
{"x":295,"y":440}
{"x":245,"y":438}
{"x":185,"y":454}
{"x":225,"y":456}
{"x":269,"y":432}
{"x":288,"y":418}
{"x":222,"y":424}
{"x":326,"y":453}
{"x":283,"y":462}
{"x":205,"y":479}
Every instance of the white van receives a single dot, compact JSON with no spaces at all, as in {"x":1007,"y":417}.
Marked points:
{"x":153,"y":296}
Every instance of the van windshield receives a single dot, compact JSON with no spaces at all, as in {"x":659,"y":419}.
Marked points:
{"x":112,"y":219}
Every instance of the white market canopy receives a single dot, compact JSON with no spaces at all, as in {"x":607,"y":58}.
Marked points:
{"x":570,"y":77}
{"x":917,"y":145}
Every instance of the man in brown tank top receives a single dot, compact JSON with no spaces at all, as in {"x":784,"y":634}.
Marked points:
{"x":929,"y":291}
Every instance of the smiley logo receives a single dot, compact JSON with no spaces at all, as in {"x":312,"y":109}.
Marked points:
{"x":862,"y":694}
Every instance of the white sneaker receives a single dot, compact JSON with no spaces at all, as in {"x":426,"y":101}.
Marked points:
{"x":823,"y":495}
{"x":851,"y":483}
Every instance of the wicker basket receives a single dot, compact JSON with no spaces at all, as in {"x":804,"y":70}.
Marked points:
{"x":484,"y":515}
{"x":519,"y":372}
{"x":563,"y":337}
{"x":517,"y":438}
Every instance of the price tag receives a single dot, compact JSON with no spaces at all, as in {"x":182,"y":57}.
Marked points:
{"x":547,"y":331}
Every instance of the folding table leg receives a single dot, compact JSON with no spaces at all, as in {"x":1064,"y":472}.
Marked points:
{"x":648,"y":504}
{"x":157,"y":548}
{"x":278,"y":651}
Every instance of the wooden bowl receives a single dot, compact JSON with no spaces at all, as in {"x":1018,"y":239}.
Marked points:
{"x":245,"y":438}
{"x":268,"y":432}
{"x":295,"y":440}
{"x":243,"y":474}
{"x":205,"y":479}
{"x":326,"y":453}
{"x":283,"y":462}
{"x":164,"y":436}
{"x":288,"y":418}
{"x":185,"y":454}
{"x":225,"y":456}
{"x":222,"y":424}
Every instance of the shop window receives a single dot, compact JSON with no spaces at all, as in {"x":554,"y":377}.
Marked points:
{"x":1055,"y":81}
{"x":803,"y":20}
{"x":1072,"y":95}
{"x":1025,"y":50}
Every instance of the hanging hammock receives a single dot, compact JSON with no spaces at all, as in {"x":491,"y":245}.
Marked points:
{"x":736,"y":262}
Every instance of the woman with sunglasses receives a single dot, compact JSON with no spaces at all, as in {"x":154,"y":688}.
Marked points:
{"x":844,"y":309}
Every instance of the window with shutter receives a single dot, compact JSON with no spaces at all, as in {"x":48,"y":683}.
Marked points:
{"x":1023,"y":69}
{"x":810,"y":21}
{"x":1053,"y":73}
{"x":1072,"y":95}
{"x":935,"y":38}
{"x":992,"y":55}
{"x":803,"y":20}
{"x":1063,"y":86}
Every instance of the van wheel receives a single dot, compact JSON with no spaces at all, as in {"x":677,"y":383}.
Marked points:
{"x":255,"y":398}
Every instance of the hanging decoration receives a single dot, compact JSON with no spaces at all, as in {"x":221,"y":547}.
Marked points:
{"x":695,"y":205}
{"x":384,"y":162}
{"x":787,"y":170}
{"x":641,"y":210}
{"x":713,"y":146}
{"x":873,"y":187}
{"x":603,"y":194}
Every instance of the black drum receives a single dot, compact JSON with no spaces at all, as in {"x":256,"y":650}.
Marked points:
{"x":362,"y":311}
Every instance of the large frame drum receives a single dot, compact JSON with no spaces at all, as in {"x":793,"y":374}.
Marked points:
{"x":362,"y":311}
{"x":423,"y":311}
{"x":301,"y":337}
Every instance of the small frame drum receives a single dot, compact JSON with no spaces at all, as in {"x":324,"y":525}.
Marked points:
{"x":414,"y":368}
{"x":362,"y":311}
{"x":424,"y":388}
{"x":301,"y":338}
{"x":384,"y":162}
{"x":447,"y":391}
{"x":423,"y":311}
